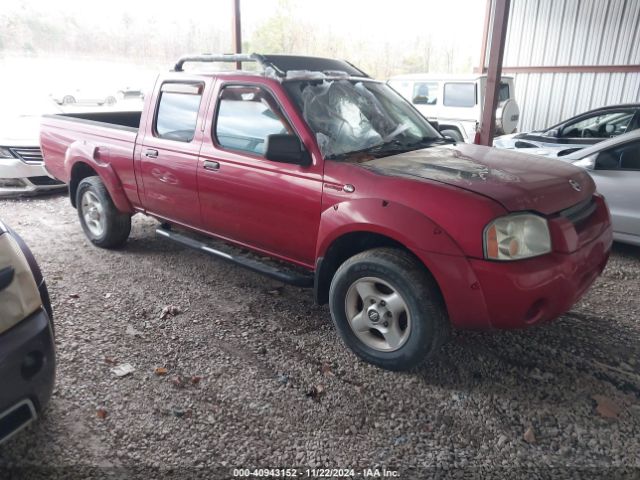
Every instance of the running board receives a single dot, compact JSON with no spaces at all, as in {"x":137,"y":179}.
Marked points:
{"x":292,"y":278}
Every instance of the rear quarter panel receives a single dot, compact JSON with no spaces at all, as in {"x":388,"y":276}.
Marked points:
{"x":108,"y":151}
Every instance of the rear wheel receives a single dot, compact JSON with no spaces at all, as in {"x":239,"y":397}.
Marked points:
{"x":101,"y":221}
{"x":68,"y":100}
{"x":388,"y":309}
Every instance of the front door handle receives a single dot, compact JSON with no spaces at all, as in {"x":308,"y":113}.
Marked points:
{"x":211,"y":165}
{"x":151,"y":153}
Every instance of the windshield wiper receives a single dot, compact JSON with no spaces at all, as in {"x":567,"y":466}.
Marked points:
{"x":392,"y":146}
{"x":428,"y":141}
{"x":387,"y":146}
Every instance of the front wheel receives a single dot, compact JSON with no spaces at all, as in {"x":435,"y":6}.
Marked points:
{"x":388,"y":309}
{"x":101,"y":221}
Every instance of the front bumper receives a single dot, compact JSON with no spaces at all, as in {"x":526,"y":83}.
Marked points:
{"x":27,"y":371}
{"x":539,"y":289}
{"x":20,"y":178}
{"x":482,"y":294}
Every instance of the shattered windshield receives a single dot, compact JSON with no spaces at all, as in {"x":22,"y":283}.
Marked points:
{"x":352,"y":116}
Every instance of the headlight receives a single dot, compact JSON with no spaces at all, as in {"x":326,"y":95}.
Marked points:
{"x":21,"y":298}
{"x":517,"y":236}
{"x":5,"y":153}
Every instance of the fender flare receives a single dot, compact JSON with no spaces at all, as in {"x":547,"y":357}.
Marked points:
{"x":97,"y":158}
{"x":403,"y":224}
{"x":443,"y":258}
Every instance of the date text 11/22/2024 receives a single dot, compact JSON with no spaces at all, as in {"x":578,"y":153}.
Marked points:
{"x":315,"y":473}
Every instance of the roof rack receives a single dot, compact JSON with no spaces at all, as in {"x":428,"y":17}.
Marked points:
{"x":278,"y":64}
{"x":225,"y":57}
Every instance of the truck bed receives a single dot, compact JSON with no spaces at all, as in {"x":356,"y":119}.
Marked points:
{"x":104,"y":142}
{"x":121,"y":120}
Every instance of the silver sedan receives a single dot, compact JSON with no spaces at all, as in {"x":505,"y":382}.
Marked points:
{"x":22,"y":169}
{"x":615,"y":167}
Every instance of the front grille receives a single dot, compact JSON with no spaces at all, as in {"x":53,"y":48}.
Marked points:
{"x":30,"y":155}
{"x":44,"y":180}
{"x":580,"y":212}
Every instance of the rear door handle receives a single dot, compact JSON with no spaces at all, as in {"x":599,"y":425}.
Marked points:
{"x":151,"y":153}
{"x":211,"y":165}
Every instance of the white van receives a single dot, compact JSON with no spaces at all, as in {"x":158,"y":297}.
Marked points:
{"x":455,"y":102}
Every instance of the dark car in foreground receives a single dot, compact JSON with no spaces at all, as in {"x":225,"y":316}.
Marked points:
{"x":576,"y":133}
{"x":27,"y":353}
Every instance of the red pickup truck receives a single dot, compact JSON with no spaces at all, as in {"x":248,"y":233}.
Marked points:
{"x":349,"y":190}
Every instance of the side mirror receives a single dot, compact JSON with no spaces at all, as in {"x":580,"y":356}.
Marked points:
{"x":588,"y":162}
{"x":554,"y":133}
{"x":286,"y":148}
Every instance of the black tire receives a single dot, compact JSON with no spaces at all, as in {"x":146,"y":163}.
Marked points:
{"x":117,"y":225}
{"x":455,"y":134}
{"x":429,"y":323}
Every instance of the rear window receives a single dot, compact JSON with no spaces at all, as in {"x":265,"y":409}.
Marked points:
{"x":178,"y":111}
{"x":459,"y":94}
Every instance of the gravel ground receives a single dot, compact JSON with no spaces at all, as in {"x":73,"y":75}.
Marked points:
{"x":257,"y":377}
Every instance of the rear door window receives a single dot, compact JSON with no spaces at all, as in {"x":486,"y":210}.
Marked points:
{"x":425,"y":93}
{"x":460,"y":94}
{"x":247,"y":115}
{"x":178,"y":111}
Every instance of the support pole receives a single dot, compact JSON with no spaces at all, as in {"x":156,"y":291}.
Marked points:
{"x":494,"y":71}
{"x":236,"y":28}
{"x":482,"y":68}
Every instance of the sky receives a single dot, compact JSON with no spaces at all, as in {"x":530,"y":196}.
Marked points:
{"x":374,"y":20}
{"x":462,"y":19}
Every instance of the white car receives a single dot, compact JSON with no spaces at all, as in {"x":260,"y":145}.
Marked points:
{"x":455,"y":102}
{"x":576,"y":133}
{"x":88,"y":95}
{"x":22,"y":169}
{"x":615,"y":167}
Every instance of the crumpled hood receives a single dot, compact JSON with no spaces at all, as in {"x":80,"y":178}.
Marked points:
{"x":516,"y":180}
{"x":20,"y":131}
